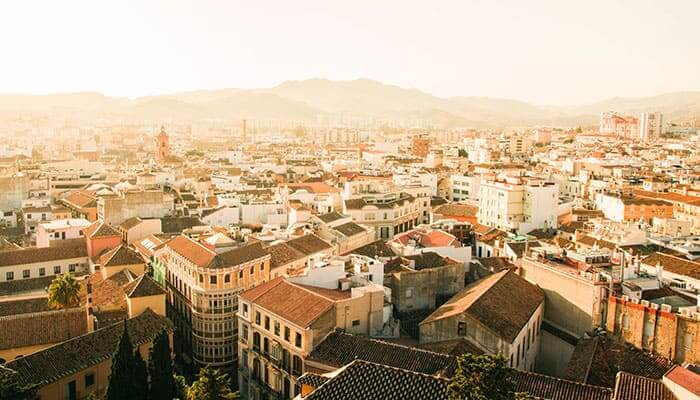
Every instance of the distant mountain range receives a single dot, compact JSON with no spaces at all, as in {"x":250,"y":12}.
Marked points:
{"x":306,"y":100}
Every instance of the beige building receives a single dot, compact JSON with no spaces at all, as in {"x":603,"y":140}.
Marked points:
{"x":282,"y":322}
{"x":203,"y":287}
{"x":500,"y":314}
{"x":81,"y":366}
{"x":117,"y":208}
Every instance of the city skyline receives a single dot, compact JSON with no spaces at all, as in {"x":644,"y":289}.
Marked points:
{"x":505,"y":50}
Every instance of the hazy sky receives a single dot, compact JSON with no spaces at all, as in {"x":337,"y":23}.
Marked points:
{"x":544,"y":51}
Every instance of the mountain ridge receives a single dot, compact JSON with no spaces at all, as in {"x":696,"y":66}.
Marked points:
{"x":305,"y":100}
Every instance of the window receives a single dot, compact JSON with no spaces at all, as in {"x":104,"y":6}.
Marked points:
{"x":625,"y":321}
{"x":89,"y":379}
{"x":71,"y":267}
{"x":244,"y":333}
{"x":257,"y":317}
{"x":262,"y":267}
{"x":277,"y":328}
{"x":227,"y":278}
{"x":245,"y":310}
{"x":286,"y":333}
{"x":212,"y":279}
{"x":240,"y":274}
{"x":57,"y":269}
{"x":10,"y":275}
{"x":409,"y":293}
{"x":201,"y":278}
{"x":461,"y":328}
{"x":297,"y":340}
{"x":356,"y":322}
{"x":25,"y":274}
{"x":267,"y":323}
{"x":42,"y":271}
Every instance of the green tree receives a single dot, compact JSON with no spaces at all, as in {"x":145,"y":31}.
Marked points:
{"x":462,"y":153}
{"x":482,"y":377}
{"x":64,"y":292}
{"x":11,"y":388}
{"x":180,"y":387}
{"x":160,"y":368}
{"x":121,"y":379}
{"x":211,"y":385}
{"x":579,"y":129}
{"x":140,"y":377}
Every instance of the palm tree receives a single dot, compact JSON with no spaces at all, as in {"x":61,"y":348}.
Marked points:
{"x":64,"y":292}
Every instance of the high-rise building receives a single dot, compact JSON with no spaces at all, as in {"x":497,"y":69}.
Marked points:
{"x":650,"y":126}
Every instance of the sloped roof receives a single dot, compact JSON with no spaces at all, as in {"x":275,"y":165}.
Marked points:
{"x":503,"y":302}
{"x":309,"y":244}
{"x":282,"y":253}
{"x":81,"y":352}
{"x":370,"y":381}
{"x":597,"y":360}
{"x":633,"y":387}
{"x":99,"y":229}
{"x":331,"y":216}
{"x":142,"y":287}
{"x":339,"y":348}
{"x":121,"y":256}
{"x":32,"y":255}
{"x":550,"y":388}
{"x":289,"y":301}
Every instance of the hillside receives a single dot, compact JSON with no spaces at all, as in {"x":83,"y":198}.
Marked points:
{"x":306,"y":100}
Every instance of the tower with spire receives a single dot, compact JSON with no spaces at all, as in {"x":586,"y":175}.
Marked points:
{"x":162,"y":145}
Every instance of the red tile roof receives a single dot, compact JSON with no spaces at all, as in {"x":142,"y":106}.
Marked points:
{"x":289,"y":301}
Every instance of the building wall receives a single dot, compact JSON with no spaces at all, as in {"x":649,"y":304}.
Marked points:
{"x":79,"y":265}
{"x":97,"y":246}
{"x":655,"y":328}
{"x":418,"y":290}
{"x":572,"y":303}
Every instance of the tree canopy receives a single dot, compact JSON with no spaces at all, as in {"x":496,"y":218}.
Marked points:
{"x":483,"y":377}
{"x":160,"y":368}
{"x":212,"y":385}
{"x":64,"y":292}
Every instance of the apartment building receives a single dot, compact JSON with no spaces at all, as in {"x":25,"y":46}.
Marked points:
{"x":464,"y":187}
{"x":281,"y":322}
{"x":623,"y":126}
{"x":388,"y":210}
{"x":518,"y":204}
{"x":621,"y":208}
{"x":33,"y":262}
{"x":60,"y":229}
{"x":651,"y":126}
{"x":203,"y":287}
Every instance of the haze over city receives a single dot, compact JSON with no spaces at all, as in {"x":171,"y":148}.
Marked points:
{"x":545,"y":52}
{"x":325,"y":200}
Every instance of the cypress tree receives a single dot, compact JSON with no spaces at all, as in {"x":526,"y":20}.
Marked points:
{"x":121,"y":378}
{"x":140,"y":377}
{"x":160,"y":368}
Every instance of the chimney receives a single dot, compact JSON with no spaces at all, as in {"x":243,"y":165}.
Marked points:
{"x":660,"y":273}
